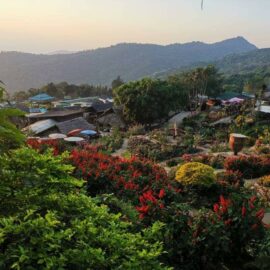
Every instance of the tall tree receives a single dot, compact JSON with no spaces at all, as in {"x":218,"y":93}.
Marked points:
{"x":117,"y":82}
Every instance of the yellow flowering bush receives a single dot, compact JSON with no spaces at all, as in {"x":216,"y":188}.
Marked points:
{"x":265,"y":181}
{"x":195,"y":173}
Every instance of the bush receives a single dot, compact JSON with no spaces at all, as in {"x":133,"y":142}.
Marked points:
{"x":215,"y":161}
{"x":47,"y":223}
{"x":136,"y":130}
{"x":249,"y":166}
{"x":238,"y":222}
{"x":154,"y":150}
{"x":195,"y":173}
{"x":265,"y":181}
{"x":234,"y":178}
{"x":112,"y":142}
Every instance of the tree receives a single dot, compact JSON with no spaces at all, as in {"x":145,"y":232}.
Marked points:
{"x":148,"y":100}
{"x":202,"y":81}
{"x":117,"y":82}
{"x":20,"y":96}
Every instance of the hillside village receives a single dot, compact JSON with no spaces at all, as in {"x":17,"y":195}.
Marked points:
{"x":150,"y":154}
{"x":205,"y":154}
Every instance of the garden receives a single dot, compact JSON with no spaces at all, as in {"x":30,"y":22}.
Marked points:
{"x":162,"y":201}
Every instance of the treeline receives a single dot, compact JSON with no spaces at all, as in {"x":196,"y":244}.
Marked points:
{"x":249,"y":82}
{"x":64,"y":89}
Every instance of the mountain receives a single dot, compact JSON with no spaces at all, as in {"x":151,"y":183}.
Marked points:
{"x":21,"y":71}
{"x":61,"y":52}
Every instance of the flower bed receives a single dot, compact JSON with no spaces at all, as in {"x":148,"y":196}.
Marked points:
{"x":141,"y":182}
{"x":250,"y":166}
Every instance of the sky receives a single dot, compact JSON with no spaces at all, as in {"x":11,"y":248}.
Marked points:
{"x":42,"y":26}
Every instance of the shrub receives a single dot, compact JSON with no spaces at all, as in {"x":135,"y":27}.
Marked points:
{"x":238,"y":222}
{"x":47,"y":223}
{"x":136,"y":130}
{"x":234,"y":178}
{"x":249,"y":166}
{"x":265,"y":181}
{"x":145,"y":148}
{"x":195,"y":173}
{"x":112,"y":142}
{"x":215,"y":161}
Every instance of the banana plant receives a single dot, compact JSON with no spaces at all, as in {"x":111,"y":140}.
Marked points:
{"x":10,"y":136}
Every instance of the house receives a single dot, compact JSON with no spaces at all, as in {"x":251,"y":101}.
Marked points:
{"x":59,"y":115}
{"x":111,"y":120}
{"x":41,"y":128}
{"x":101,"y":107}
{"x":77,"y":123}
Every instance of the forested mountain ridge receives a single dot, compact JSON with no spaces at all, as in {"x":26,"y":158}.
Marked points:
{"x":245,"y":62}
{"x":21,"y":71}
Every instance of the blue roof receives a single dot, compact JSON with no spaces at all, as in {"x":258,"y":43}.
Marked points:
{"x":41,"y":97}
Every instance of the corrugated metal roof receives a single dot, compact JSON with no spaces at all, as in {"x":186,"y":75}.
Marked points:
{"x":41,"y":126}
{"x":41,"y":97}
{"x":77,"y":123}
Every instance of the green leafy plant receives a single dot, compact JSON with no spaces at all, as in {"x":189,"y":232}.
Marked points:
{"x":47,"y":221}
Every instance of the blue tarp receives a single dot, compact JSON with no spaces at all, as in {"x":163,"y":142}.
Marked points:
{"x":88,"y":132}
{"x":41,"y":97}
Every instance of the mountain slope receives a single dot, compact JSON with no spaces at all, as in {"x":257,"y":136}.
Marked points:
{"x":245,"y":63}
{"x":21,"y":71}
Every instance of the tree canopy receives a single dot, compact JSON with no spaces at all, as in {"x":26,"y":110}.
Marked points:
{"x":149,"y":100}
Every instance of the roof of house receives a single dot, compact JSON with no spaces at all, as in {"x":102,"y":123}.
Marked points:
{"x":101,"y":107}
{"x":57,"y":113}
{"x":111,"y":119}
{"x":230,"y":95}
{"x":41,"y":97}
{"x":77,"y":123}
{"x":40,"y":126}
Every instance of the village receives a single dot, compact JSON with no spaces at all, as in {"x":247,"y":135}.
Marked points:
{"x":134,"y":135}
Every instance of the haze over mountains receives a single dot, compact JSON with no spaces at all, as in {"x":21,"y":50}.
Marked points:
{"x":21,"y":71}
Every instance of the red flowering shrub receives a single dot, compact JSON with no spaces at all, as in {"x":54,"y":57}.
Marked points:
{"x":250,"y":166}
{"x":237,"y":221}
{"x":234,"y":178}
{"x":139,"y":181}
{"x":42,"y":144}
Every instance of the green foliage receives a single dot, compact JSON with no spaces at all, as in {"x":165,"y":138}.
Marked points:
{"x":195,"y":173}
{"x":112,"y":142}
{"x":10,"y":136}
{"x":153,"y":150}
{"x":148,"y":100}
{"x":48,"y":223}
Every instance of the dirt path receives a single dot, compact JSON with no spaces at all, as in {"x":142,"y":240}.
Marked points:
{"x":122,"y":150}
{"x":178,"y":119}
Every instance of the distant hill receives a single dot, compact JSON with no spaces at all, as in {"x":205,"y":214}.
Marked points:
{"x":245,"y":63}
{"x":21,"y":71}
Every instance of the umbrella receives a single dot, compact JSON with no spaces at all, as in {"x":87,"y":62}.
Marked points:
{"x":236,"y":100}
{"x":88,"y":132}
{"x":74,"y":139}
{"x":74,"y":132}
{"x":57,"y":136}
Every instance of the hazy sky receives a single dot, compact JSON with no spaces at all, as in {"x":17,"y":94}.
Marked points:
{"x":49,"y":25}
